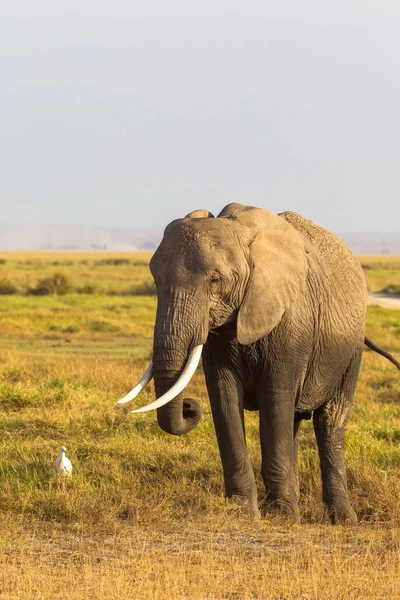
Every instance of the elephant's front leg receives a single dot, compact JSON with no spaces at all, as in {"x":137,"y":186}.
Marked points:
{"x":226,"y":396}
{"x":279,"y":456}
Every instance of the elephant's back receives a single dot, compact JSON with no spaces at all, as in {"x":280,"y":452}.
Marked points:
{"x":337,"y":259}
{"x":337,"y":290}
{"x":337,"y":293}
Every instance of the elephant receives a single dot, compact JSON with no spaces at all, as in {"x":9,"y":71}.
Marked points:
{"x":276,"y":305}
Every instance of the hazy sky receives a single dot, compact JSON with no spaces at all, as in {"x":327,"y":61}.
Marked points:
{"x":133,"y":113}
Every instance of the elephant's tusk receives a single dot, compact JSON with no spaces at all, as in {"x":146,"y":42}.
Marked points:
{"x":179,"y":385}
{"x":139,"y":386}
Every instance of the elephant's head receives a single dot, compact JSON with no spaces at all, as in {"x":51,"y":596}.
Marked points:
{"x":247,"y":266}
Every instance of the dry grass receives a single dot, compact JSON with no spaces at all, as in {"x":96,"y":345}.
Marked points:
{"x":221,"y":557}
{"x":144,"y":515}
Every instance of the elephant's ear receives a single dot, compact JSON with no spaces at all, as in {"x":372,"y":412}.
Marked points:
{"x":202,"y":213}
{"x":279,"y":266}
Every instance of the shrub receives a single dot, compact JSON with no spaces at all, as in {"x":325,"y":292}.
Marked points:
{"x":71,"y":329}
{"x":58,"y":284}
{"x":7,"y":288}
{"x":87,"y":288}
{"x":103,"y":326}
{"x":392,"y":288}
{"x":142,"y":289}
{"x":140,"y":262}
{"x":113,"y":261}
{"x":3,"y":261}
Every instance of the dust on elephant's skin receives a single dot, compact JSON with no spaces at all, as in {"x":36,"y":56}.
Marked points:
{"x":279,"y":305}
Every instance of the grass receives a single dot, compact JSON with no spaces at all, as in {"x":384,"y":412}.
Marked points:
{"x":382,"y":273}
{"x":143,"y":515}
{"x":124,"y":274}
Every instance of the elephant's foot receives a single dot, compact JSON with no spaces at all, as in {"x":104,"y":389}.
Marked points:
{"x":281,"y":506}
{"x":341,"y":512}
{"x":247,"y":506}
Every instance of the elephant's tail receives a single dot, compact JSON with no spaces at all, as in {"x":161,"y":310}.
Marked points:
{"x":379,"y":350}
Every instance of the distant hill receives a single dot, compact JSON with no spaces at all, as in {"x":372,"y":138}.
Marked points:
{"x":372,"y":243}
{"x":73,"y":237}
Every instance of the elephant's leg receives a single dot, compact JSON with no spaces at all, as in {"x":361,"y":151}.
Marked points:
{"x":278,"y":432}
{"x":226,"y":396}
{"x":330,"y":422}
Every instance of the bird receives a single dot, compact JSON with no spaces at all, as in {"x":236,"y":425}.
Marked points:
{"x":63,"y":464}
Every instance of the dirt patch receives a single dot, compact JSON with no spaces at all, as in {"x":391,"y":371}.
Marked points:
{"x":385,"y":300}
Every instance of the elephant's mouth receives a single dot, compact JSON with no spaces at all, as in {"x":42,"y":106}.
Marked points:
{"x":177,"y":388}
{"x":214,"y":322}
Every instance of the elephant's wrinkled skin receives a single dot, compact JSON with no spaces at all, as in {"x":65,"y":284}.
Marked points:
{"x":280,"y":305}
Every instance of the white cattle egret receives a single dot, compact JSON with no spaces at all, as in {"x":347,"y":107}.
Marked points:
{"x":63,"y":464}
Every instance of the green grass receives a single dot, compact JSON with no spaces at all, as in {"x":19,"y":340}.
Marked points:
{"x":382,"y":273}
{"x":143,"y":515}
{"x":124,"y":274}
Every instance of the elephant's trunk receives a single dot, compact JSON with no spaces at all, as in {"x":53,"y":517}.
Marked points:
{"x":179,"y":328}
{"x":178,"y":416}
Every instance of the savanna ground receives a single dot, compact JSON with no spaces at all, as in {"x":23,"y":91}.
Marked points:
{"x":143,"y":515}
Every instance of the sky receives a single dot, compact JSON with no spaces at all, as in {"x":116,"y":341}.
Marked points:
{"x":133,"y":113}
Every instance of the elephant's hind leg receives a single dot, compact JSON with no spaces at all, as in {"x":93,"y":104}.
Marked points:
{"x":330,"y":422}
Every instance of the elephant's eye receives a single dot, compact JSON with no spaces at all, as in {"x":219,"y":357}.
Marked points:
{"x":215,"y":280}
